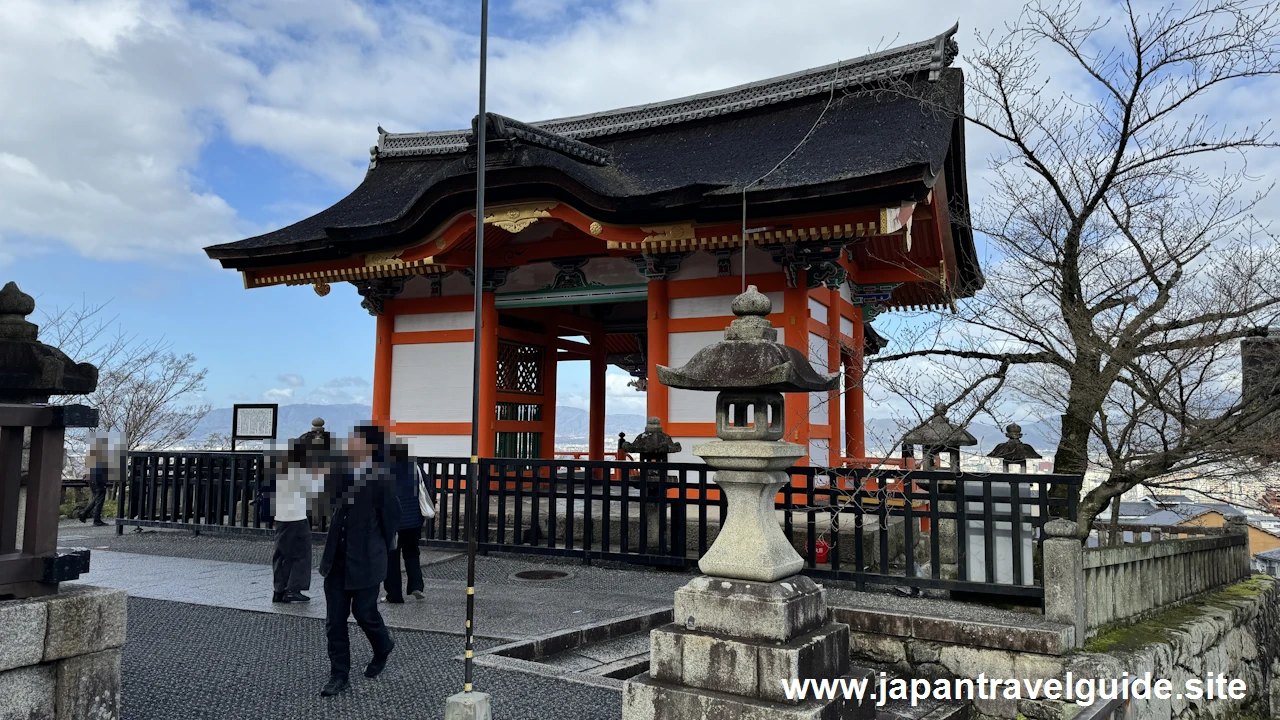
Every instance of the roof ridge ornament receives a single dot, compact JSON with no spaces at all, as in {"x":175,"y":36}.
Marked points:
{"x":501,"y":127}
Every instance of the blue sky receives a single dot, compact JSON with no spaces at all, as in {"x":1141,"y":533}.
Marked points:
{"x":145,"y":130}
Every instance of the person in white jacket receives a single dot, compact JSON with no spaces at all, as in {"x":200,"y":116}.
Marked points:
{"x":296,"y":488}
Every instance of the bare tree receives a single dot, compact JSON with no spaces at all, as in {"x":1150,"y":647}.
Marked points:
{"x":1129,"y":260}
{"x":143,"y":385}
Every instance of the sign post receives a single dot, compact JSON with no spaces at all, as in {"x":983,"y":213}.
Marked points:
{"x":253,"y":422}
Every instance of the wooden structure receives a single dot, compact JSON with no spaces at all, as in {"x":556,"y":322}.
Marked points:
{"x":30,"y":372}
{"x":618,"y":238}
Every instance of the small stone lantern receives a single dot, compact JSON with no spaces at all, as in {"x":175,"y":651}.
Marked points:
{"x":652,"y":445}
{"x":1013,"y":451}
{"x":750,"y":624}
{"x":750,"y":370}
{"x":937,"y":436}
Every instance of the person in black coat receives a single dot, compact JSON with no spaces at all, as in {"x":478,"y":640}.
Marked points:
{"x":410,"y":531}
{"x":98,"y":469}
{"x":362,"y":533}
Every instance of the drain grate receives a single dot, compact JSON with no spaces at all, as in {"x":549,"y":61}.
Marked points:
{"x":540,"y":575}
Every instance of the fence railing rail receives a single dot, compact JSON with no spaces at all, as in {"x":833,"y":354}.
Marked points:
{"x":975,"y":532}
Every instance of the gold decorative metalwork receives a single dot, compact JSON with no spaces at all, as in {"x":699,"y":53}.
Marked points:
{"x":440,"y":243}
{"x":425,"y":266}
{"x":656,"y":243}
{"x":321,"y":288}
{"x":596,"y":228}
{"x":383,"y":258}
{"x":514,"y":218}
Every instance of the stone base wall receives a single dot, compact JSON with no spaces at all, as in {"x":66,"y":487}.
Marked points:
{"x":60,"y":655}
{"x":1234,"y":632}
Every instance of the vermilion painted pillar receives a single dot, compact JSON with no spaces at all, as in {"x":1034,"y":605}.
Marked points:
{"x":488,"y":376}
{"x":599,"y":357}
{"x":795,"y":308}
{"x":657,"y":336}
{"x":550,"y":366}
{"x":855,"y":417}
{"x":833,"y":365}
{"x":382,"y":370}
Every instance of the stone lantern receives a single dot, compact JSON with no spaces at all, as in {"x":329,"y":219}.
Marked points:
{"x":937,"y":436}
{"x":31,"y":372}
{"x":1013,"y":451}
{"x":652,"y":445}
{"x":61,"y":646}
{"x":750,"y":622}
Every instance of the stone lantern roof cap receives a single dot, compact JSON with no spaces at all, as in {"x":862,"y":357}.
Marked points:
{"x":1013,"y":449}
{"x":653,"y":441}
{"x":31,"y":371}
{"x":749,"y":358}
{"x":939,"y":432}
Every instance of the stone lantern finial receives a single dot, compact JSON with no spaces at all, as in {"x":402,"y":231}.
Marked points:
{"x":32,"y":371}
{"x":1014,"y":451}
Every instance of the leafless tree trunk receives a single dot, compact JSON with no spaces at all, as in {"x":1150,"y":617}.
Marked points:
{"x":1129,"y":261}
{"x":143,"y":385}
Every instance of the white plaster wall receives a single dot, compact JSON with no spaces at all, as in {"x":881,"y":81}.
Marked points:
{"x":846,"y":292}
{"x":438,"y":445}
{"x":690,"y":405}
{"x":434,"y":321}
{"x":846,"y":327}
{"x":714,"y":306}
{"x":613,"y":271}
{"x":703,"y":264}
{"x":819,"y":452}
{"x":431,"y":382}
{"x":455,"y":283}
{"x":686,"y":449}
{"x":417,"y":287}
{"x":818,"y":402}
{"x":817,"y":311}
{"x":529,"y":278}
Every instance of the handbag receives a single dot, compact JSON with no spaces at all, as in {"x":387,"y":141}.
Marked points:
{"x":425,"y":506}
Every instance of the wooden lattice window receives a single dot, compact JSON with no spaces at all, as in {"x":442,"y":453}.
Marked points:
{"x":519,"y":368}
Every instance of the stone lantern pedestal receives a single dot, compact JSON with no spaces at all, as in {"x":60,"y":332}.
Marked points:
{"x":750,"y":624}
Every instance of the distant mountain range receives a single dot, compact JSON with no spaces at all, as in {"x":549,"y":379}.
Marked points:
{"x":571,"y":422}
{"x":572,"y":426}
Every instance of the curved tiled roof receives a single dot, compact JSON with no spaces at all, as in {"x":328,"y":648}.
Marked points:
{"x":930,"y":55}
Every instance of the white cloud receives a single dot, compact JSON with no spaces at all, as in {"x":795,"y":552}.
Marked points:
{"x":278,"y":395}
{"x":292,"y":380}
{"x":111,"y":101}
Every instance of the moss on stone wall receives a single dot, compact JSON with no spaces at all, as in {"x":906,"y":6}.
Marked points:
{"x":1156,"y":628}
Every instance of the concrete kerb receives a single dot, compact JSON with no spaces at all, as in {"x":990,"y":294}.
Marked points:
{"x":523,"y":655}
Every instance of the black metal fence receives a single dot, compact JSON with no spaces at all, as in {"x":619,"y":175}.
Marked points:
{"x":944,"y":530}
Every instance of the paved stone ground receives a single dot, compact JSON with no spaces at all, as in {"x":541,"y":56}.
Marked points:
{"x":190,"y":661}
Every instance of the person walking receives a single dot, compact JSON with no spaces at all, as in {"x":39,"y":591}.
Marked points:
{"x":296,"y":488}
{"x":96,"y":462}
{"x":410,"y":531}
{"x":362,"y":533}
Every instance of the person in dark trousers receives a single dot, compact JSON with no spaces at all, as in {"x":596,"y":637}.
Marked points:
{"x":410,"y":529}
{"x":297,"y":486}
{"x":96,"y":463}
{"x":362,"y":533}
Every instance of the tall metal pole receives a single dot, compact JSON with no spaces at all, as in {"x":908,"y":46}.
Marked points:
{"x":474,"y":482}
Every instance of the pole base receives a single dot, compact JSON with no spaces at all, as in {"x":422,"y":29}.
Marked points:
{"x":468,"y":706}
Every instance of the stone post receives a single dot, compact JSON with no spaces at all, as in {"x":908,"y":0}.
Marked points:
{"x":1064,"y":577}
{"x":1239,"y":525}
